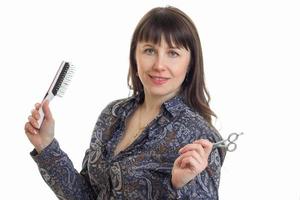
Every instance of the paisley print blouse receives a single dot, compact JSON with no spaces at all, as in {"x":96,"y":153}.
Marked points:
{"x":143,"y":169}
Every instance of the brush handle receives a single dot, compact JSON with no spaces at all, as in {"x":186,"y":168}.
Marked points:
{"x":49,"y":97}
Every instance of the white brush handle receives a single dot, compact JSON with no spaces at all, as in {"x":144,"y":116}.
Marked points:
{"x":41,"y":112}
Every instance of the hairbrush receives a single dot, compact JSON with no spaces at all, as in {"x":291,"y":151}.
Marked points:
{"x":58,"y":86}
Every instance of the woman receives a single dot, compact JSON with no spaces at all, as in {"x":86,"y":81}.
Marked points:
{"x":156,"y":144}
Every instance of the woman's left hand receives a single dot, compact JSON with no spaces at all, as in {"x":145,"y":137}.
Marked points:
{"x":192,"y":161}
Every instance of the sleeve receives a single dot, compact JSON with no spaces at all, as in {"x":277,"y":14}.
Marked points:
{"x":206,"y":184}
{"x":59,"y":173}
{"x":202,"y":187}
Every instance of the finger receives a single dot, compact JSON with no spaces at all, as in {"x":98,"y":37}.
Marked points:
{"x":177,"y":161}
{"x":192,"y":154}
{"x":37,"y":106}
{"x":206,"y":144}
{"x":30,"y":129}
{"x":188,"y":162}
{"x":33,"y":122}
{"x":193,"y":164}
{"x":35,"y":114}
{"x":47,"y":111}
{"x":193,"y":147}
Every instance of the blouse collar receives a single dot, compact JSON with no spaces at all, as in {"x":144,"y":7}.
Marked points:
{"x":174,"y":106}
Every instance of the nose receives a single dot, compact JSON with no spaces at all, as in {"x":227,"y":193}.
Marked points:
{"x":160,"y":63}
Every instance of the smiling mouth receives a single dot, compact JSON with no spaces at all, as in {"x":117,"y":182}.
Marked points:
{"x":158,"y":80}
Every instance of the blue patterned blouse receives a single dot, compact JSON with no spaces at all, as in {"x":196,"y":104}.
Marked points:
{"x":142,"y":170}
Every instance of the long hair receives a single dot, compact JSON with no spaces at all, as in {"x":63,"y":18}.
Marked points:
{"x":177,"y":29}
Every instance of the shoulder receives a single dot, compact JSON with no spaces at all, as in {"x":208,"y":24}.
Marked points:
{"x":190,"y":126}
{"x":109,"y":112}
{"x":188,"y":123}
{"x":115,"y":107}
{"x":106,"y":121}
{"x":194,"y":126}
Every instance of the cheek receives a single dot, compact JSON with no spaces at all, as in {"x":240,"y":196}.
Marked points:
{"x":185,"y":68}
{"x":181,"y":75}
{"x":182,"y":64}
{"x":181,"y":71}
{"x":144,"y":64}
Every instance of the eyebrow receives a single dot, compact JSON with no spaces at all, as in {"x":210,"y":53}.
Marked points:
{"x":175,"y":48}
{"x":152,"y":45}
{"x":147,"y":44}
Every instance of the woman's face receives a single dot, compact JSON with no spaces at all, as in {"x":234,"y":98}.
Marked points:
{"x":161,"y":68}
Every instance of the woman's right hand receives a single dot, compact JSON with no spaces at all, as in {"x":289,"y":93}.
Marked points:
{"x":40,"y":138}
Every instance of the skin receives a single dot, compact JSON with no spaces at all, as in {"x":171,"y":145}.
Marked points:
{"x":162,"y":70}
{"x":40,"y":138}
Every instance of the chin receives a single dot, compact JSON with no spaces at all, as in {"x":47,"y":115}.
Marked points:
{"x":162,"y":93}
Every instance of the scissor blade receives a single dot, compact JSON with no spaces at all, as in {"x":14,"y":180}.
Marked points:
{"x":222,"y":142}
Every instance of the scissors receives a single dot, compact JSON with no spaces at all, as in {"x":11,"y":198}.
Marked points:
{"x":231,"y":145}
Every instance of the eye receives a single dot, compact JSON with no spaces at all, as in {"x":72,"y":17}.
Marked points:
{"x":149,"y":51}
{"x":173,"y":53}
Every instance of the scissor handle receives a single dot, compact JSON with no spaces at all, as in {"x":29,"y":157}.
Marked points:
{"x":232,"y":137}
{"x":231,"y":147}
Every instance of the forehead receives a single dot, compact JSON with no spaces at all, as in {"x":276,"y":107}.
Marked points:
{"x":167,"y":24}
{"x":161,"y":43}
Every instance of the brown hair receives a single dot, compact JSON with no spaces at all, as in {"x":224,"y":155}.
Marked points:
{"x":177,"y":29}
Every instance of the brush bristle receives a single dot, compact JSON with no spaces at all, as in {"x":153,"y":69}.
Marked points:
{"x":63,"y":80}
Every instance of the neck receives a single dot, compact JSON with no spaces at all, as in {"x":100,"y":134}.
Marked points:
{"x":152,"y":103}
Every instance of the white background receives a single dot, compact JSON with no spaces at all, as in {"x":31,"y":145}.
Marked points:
{"x":251,"y":54}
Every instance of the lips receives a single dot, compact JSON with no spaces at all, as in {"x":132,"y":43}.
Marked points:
{"x":158,"y":80}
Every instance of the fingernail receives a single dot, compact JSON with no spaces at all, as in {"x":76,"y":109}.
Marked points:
{"x":35,"y":132}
